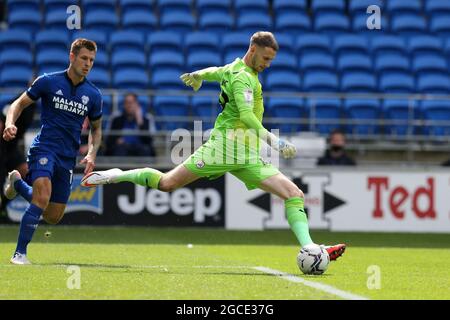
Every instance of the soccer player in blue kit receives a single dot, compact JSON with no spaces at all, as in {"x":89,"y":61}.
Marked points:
{"x":67,"y":99}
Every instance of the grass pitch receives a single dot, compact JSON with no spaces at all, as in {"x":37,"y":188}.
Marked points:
{"x":149,"y":263}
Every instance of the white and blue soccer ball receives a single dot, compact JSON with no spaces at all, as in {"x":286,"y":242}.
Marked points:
{"x":313,"y":259}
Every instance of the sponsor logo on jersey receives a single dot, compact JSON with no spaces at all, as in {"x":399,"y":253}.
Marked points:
{"x":70,"y":106}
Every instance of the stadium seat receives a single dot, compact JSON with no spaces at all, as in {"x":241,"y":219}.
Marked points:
{"x":171,"y":106}
{"x":283,"y":61}
{"x":130,"y":79}
{"x":358,"y":82}
{"x":92,"y":5}
{"x":136,"y":5}
{"x":320,"y":81}
{"x":440,"y":25}
{"x":101,"y":60}
{"x":99,"y":37}
{"x":55,"y":19}
{"x":388,"y":44}
{"x":213,"y":6}
{"x":167,"y":80}
{"x":180,"y":7}
{"x":364,"y":115}
{"x":293,"y":23}
{"x":207,"y":109}
{"x":350,"y":43}
{"x":15,"y":39}
{"x":436,"y":8}
{"x":10,"y":58}
{"x":131,"y":59}
{"x":243,"y":6}
{"x":332,"y":23}
{"x":432,"y":64}
{"x":15,"y":77}
{"x":435,"y":113}
{"x":327,"y":6}
{"x":289,"y":112}
{"x":408,"y":24}
{"x":166,"y":60}
{"x":359,"y":25}
{"x":316,"y":62}
{"x":201,"y":41}
{"x":236,"y":43}
{"x":6,"y":99}
{"x":25,"y":19}
{"x":396,"y":83}
{"x":101,"y":20}
{"x":164,"y":41}
{"x":325,"y":114}
{"x":177,"y":22}
{"x":354,"y":62}
{"x":283,"y":81}
{"x":126,"y":40}
{"x":253,"y":21}
{"x":425,"y":45}
{"x":401,"y":7}
{"x":312,"y":43}
{"x":58,"y":5}
{"x":51,"y":39}
{"x":52,"y":60}
{"x":281,"y":7}
{"x":14,"y":5}
{"x":218,"y":22}
{"x":389,"y":63}
{"x":106,"y":109}
{"x":433,"y":84}
{"x":285,"y":42}
{"x":201,"y":60}
{"x":399,"y":116}
{"x":359,"y":7}
{"x":142,"y":21}
{"x":100,"y":78}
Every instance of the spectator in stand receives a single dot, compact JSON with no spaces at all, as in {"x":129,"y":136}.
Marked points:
{"x":335,"y":154}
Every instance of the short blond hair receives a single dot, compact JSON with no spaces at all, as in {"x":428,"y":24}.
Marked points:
{"x":264,"y":39}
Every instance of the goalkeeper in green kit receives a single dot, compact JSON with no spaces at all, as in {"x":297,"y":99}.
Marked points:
{"x":234,"y":143}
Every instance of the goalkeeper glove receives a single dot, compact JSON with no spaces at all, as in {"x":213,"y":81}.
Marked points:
{"x":192,"y":80}
{"x":286,"y":149}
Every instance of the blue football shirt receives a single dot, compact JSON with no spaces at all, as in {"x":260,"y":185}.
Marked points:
{"x":64,"y":108}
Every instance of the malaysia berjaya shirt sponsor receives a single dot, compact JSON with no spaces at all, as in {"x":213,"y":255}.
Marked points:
{"x":64,"y":108}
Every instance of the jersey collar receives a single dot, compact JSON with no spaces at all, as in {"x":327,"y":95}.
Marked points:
{"x":246,"y":67}
{"x":66,"y":74}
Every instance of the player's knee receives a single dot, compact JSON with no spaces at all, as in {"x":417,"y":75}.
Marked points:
{"x":41,"y":201}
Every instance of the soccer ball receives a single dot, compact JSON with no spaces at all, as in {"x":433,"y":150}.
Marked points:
{"x":313,"y":259}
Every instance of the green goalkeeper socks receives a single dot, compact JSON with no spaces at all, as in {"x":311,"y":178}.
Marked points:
{"x":147,"y":177}
{"x":297,"y":220}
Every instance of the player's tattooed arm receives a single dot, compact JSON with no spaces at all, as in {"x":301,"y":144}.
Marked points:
{"x":14,"y":111}
{"x":95,"y":140}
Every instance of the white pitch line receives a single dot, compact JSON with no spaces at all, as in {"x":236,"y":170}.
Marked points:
{"x":312,"y":284}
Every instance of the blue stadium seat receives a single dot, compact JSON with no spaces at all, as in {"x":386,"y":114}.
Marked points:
{"x":434,"y":113}
{"x":327,"y":6}
{"x":365,"y":114}
{"x":290,"y":110}
{"x":136,"y":5}
{"x":178,"y":22}
{"x":15,"y":77}
{"x":400,"y":7}
{"x":316,"y":62}
{"x":440,"y":25}
{"x":126,"y":40}
{"x":389,"y":63}
{"x":253,"y":21}
{"x":242,"y":6}
{"x":219,"y":22}
{"x":283,"y":61}
{"x":432,"y":64}
{"x":55,"y":19}
{"x":101,"y":60}
{"x":285,"y":42}
{"x":182,"y":7}
{"x":10,"y":58}
{"x":51,"y":39}
{"x":164,"y":41}
{"x":99,"y":37}
{"x":359,"y":7}
{"x":436,"y":8}
{"x":15,"y":39}
{"x":91,"y":5}
{"x":14,"y":5}
{"x":312,"y":43}
{"x":325,"y":114}
{"x":128,"y":59}
{"x":106,"y":109}
{"x":100,"y":78}
{"x":358,"y":82}
{"x":130,"y":79}
{"x":201,"y":60}
{"x":201,"y":41}
{"x":207,"y":109}
{"x":101,"y":20}
{"x":433,"y":84}
{"x":396,"y":83}
{"x":359,"y":25}
{"x":283,"y":81}
{"x":142,"y":21}
{"x":293,"y":23}
{"x":350,"y":43}
{"x":425,"y":45}
{"x":388,"y":44}
{"x":52,"y":60}
{"x":409,"y":24}
{"x":281,"y":7}
{"x":235,"y":42}
{"x":6,"y":99}
{"x":58,"y":5}
{"x":332,"y":23}
{"x":166,"y":60}
{"x":167,"y":80}
{"x":320,"y":81}
{"x":399,"y":115}
{"x":213,"y":6}
{"x":171,"y":106}
{"x":25,"y":19}
{"x":354,"y":62}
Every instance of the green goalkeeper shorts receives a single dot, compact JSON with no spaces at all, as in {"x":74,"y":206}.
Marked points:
{"x":251,"y":173}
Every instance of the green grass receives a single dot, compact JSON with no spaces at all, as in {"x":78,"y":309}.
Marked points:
{"x":149,"y":263}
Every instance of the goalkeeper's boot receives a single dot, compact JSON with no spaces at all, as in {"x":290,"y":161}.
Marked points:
{"x":335,"y":251}
{"x":96,"y":178}
{"x":19,"y":258}
{"x":9,"y":190}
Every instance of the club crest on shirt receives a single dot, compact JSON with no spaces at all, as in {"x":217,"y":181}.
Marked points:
{"x":43,"y":161}
{"x":85,"y":99}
